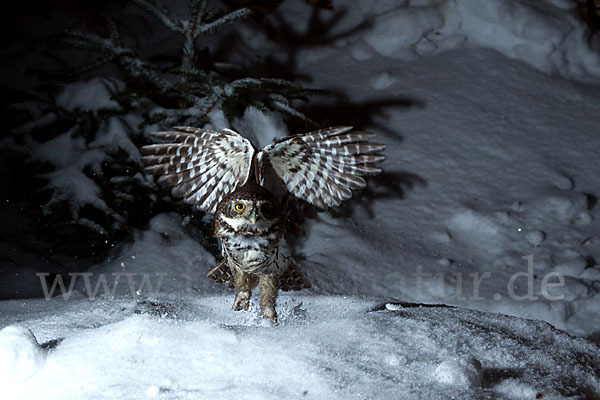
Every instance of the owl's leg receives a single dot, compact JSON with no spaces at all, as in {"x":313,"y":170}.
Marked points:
{"x":244,"y":283}
{"x":269,"y":288}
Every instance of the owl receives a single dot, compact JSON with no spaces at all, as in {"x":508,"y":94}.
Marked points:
{"x":223,"y":174}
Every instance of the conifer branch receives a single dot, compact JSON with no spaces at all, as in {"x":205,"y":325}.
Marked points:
{"x":225,"y":21}
{"x":162,"y":13}
{"x":196,"y":12}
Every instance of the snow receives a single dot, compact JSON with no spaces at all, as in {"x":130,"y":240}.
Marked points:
{"x":485,"y":146}
{"x":487,"y":203}
{"x":462,"y":372}
{"x":91,"y":95}
{"x":326,"y":347}
{"x":399,"y":29}
{"x":382,"y":80}
{"x":535,"y":237}
{"x":262,"y":129}
{"x":161,"y":258}
{"x":113,"y":136}
{"x":70,"y":154}
{"x":545,"y":34}
{"x":21,"y":355}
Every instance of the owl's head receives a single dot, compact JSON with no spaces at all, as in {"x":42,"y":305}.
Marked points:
{"x":249,"y":208}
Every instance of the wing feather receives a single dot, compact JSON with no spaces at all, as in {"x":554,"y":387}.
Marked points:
{"x":322,"y":167}
{"x":199,"y":165}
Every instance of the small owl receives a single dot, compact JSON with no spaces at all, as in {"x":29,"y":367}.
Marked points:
{"x":251,"y":224}
{"x":222,"y":173}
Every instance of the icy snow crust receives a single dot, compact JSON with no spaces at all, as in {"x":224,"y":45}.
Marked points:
{"x":495,"y":165}
{"x":326,"y":347}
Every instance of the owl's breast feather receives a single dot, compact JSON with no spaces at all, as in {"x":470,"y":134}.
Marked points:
{"x":251,"y":253}
{"x":247,"y":242}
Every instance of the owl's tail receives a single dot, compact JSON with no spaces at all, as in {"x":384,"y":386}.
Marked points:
{"x":291,"y":279}
{"x":222,"y":273}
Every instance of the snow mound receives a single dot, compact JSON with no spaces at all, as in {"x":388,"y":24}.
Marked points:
{"x":162,"y":258}
{"x":91,"y":95}
{"x":461,"y":372}
{"x":547,"y":35}
{"x":399,"y":29}
{"x":324,"y":348}
{"x":383,"y":80}
{"x":21,"y":356}
{"x":477,"y":228}
{"x":567,"y":207}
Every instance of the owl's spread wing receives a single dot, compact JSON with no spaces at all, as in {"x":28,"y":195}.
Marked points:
{"x":202,"y":166}
{"x":322,"y":167}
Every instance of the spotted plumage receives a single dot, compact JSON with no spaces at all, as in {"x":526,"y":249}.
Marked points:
{"x":250,"y":225}
{"x":222,"y":173}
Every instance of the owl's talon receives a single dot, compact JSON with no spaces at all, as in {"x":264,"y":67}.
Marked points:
{"x":242,"y":300}
{"x":270,"y":313}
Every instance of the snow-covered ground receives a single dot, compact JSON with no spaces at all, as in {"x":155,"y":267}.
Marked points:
{"x":487,"y":202}
{"x":326,"y":347}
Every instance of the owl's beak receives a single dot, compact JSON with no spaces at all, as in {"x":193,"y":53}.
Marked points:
{"x":253,"y":216}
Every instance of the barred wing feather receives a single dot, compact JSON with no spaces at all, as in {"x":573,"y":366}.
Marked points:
{"x":322,"y":167}
{"x":200,"y":165}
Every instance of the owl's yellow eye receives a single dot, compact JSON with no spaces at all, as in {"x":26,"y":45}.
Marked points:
{"x":240,"y":207}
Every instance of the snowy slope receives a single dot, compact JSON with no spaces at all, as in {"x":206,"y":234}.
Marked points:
{"x":326,"y":347}
{"x":544,"y":34}
{"x":484,"y":187}
{"x":495,"y":162}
